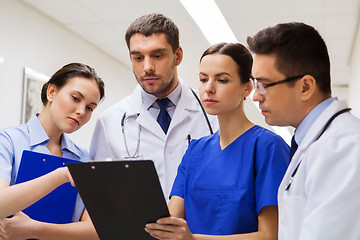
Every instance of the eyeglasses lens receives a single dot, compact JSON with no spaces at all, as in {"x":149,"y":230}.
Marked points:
{"x":260,"y":87}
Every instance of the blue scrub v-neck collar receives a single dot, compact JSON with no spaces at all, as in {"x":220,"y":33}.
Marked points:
{"x":237,"y":139}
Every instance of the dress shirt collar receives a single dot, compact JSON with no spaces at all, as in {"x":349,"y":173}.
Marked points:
{"x":306,"y":123}
{"x":149,"y":99}
{"x":38,"y":136}
{"x":36,"y":131}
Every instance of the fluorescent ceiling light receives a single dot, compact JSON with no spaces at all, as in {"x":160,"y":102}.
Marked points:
{"x":210,"y":20}
{"x":213,"y":25}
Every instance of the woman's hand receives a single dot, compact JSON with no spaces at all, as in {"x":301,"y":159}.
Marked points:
{"x":169,"y":228}
{"x":18,"y":227}
{"x":68,"y":175}
{"x":65,"y":175}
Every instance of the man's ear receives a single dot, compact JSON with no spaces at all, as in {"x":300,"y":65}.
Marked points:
{"x":51,"y":92}
{"x":178,"y":56}
{"x":308,"y":87}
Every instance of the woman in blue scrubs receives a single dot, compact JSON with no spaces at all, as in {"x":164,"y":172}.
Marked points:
{"x":69,"y":98}
{"x":227,"y":182}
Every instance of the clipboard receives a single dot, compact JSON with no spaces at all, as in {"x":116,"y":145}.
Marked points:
{"x":120,"y":196}
{"x":56,"y":207}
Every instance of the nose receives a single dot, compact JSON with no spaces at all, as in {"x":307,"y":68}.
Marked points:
{"x":148,"y":65}
{"x":80,"y":110}
{"x":257,"y":95}
{"x":209,"y":88}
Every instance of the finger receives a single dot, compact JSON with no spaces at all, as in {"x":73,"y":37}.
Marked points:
{"x":155,"y":236}
{"x":158,"y":237}
{"x":155,"y":226}
{"x":171,"y":221}
{"x":2,"y":233}
{"x":151,"y":234}
{"x":71,"y":180}
{"x":158,"y":234}
{"x":4,"y":221}
{"x":152,"y":226}
{"x":166,"y":220}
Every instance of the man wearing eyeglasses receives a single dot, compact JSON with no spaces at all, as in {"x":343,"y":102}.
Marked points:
{"x":319,"y":197}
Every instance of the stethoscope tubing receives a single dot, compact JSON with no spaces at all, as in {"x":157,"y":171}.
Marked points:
{"x":136,"y":154}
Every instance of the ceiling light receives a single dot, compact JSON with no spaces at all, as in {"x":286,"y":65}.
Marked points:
{"x":210,"y":20}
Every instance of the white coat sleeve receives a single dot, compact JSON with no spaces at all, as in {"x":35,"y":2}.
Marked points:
{"x":332,"y":190}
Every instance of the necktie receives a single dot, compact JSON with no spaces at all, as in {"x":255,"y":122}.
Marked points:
{"x":293,"y":147}
{"x":163,"y":118}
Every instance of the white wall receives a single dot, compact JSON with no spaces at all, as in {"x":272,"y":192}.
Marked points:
{"x":30,"y":39}
{"x":354,"y":86}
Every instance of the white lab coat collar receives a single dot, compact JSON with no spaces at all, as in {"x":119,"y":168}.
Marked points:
{"x":318,"y":125}
{"x":184,"y":107}
{"x":186,"y":94}
{"x":135,"y":105}
{"x":182,"y":111}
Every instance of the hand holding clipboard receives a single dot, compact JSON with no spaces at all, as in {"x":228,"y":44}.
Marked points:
{"x":56,"y":207}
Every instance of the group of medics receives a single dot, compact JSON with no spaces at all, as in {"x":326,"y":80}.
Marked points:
{"x":241,"y":170}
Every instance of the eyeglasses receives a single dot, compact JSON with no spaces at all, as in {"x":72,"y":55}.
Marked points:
{"x":262,"y":86}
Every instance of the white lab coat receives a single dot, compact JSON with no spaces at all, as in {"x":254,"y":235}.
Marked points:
{"x":165,"y":150}
{"x":323,"y":201}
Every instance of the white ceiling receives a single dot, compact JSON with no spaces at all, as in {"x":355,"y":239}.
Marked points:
{"x":103,"y":23}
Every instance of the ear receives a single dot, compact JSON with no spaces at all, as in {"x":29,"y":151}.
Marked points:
{"x":308,"y":87}
{"x":248,"y":89}
{"x":178,"y":56}
{"x":51,"y":92}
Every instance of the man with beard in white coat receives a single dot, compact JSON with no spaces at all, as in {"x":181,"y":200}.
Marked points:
{"x":319,"y":197}
{"x":130,"y":129}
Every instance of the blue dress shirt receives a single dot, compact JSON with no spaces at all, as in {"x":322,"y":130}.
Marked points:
{"x":32,"y":136}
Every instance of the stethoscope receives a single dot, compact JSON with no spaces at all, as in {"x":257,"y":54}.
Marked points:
{"x":136,"y":153}
{"x":321,"y":133}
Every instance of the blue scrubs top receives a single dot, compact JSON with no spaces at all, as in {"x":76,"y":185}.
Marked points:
{"x":224,"y":190}
{"x":32,"y":136}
